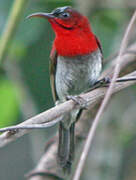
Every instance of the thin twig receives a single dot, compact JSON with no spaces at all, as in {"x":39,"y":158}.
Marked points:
{"x":125,"y":79}
{"x":104,"y":102}
{"x":33,"y":126}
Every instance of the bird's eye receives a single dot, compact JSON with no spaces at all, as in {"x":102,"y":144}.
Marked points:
{"x":65,"y":15}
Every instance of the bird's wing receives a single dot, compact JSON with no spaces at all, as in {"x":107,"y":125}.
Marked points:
{"x":99,"y":44}
{"x":100,"y":47}
{"x":53,"y":63}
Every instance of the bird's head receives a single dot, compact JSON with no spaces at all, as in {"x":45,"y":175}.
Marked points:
{"x":65,"y":19}
{"x":73,"y":31}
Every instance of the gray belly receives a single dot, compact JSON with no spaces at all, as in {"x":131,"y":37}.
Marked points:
{"x":77,"y":74}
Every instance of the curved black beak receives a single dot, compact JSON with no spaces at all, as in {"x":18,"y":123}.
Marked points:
{"x":41,"y":14}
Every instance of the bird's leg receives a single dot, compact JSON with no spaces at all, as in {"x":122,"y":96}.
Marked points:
{"x":79,"y":101}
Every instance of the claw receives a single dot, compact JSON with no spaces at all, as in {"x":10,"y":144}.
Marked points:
{"x":103,"y":82}
{"x":12,"y":132}
{"x":79,"y":101}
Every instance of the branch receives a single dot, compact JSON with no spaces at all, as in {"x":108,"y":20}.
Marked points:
{"x":12,"y":129}
{"x":54,"y":113}
{"x":105,"y":101}
{"x":53,"y":122}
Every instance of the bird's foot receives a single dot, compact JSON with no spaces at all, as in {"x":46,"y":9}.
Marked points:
{"x":67,"y":168}
{"x":12,"y":132}
{"x":82,"y":103}
{"x":104,"y":82}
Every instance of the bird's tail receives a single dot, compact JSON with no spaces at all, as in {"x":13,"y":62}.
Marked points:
{"x":66,"y":146}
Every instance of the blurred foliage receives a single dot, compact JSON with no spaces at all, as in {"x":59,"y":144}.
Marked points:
{"x":8,"y":106}
{"x":30,"y":49}
{"x":105,"y":25}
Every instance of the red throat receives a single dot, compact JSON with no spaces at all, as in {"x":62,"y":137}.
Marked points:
{"x":75,"y":42}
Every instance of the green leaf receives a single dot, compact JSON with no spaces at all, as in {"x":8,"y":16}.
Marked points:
{"x":8,"y":103}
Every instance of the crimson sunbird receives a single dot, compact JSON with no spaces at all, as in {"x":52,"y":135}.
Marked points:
{"x":75,"y":66}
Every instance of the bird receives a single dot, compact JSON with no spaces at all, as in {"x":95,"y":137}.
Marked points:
{"x":75,"y":66}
